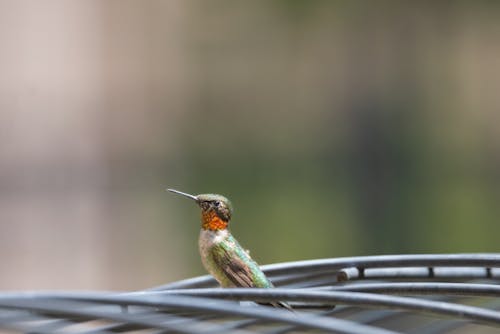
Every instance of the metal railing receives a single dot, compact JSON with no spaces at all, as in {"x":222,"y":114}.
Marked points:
{"x":374,"y":294}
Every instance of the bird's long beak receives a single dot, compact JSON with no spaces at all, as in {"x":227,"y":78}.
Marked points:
{"x":183,"y":194}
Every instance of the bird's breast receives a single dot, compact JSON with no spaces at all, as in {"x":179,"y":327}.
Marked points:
{"x":209,"y":238}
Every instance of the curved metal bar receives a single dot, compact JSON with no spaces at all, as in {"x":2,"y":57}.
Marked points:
{"x":462,"y":289}
{"x":34,"y":302}
{"x":205,"y":281}
{"x":426,"y":272}
{"x":25,"y":322}
{"x":69,"y":308}
{"x":179,"y":307}
{"x":334,"y":265}
{"x":381,"y":261}
{"x":351,"y":298}
{"x":118,"y":327}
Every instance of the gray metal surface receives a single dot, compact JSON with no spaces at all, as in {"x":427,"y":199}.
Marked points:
{"x":439,"y":293}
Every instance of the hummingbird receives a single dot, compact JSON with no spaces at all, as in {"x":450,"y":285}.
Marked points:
{"x":221,"y":254}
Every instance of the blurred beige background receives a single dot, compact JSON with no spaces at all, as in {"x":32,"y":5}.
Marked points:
{"x":337,"y":128}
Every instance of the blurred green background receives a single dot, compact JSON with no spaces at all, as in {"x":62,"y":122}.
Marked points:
{"x":337,"y":128}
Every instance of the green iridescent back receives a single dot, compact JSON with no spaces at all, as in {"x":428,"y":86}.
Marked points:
{"x":231,"y":265}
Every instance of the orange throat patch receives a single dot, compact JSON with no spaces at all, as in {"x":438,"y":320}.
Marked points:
{"x":210,"y":221}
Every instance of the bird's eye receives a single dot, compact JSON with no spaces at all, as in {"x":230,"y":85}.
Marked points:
{"x":217,"y":203}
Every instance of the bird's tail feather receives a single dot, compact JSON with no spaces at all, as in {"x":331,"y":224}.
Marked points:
{"x":279,"y":304}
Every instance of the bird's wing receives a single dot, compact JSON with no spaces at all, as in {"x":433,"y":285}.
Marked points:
{"x":235,"y":269}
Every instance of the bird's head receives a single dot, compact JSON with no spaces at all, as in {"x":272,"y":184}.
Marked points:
{"x":216,"y":210}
